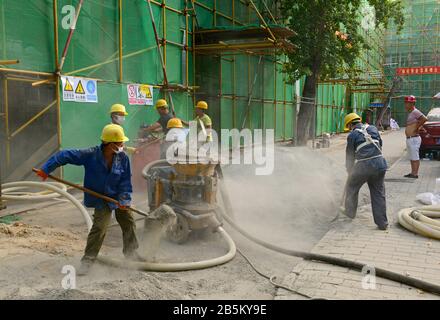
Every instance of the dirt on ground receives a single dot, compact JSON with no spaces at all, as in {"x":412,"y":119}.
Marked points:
{"x":291,"y":208}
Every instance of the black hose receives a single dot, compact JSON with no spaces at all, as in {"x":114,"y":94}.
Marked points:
{"x":383,"y":273}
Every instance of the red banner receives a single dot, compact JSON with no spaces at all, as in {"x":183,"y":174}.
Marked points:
{"x":417,"y":71}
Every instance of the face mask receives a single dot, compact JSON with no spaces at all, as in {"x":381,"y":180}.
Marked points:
{"x":118,"y":119}
{"x":119,"y":150}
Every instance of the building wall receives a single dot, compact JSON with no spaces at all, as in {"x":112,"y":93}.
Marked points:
{"x":224,"y":80}
{"x":418,"y":45}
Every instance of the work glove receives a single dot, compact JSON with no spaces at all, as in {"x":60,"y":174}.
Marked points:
{"x":123,"y":208}
{"x":42,"y":174}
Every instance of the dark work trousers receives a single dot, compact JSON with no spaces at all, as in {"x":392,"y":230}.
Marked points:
{"x":101,"y":221}
{"x":376,"y":183}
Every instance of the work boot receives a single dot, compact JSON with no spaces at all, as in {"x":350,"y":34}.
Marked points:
{"x":383,"y":227}
{"x":85,"y":266}
{"x":134,"y":256}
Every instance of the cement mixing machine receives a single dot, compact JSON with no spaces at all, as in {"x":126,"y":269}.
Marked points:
{"x":190,"y":189}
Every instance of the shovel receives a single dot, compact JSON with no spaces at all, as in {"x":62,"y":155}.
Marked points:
{"x":341,"y":208}
{"x":95,"y":194}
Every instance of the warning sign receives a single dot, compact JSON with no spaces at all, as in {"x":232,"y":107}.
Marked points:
{"x":140,"y":94}
{"x":68,"y":86}
{"x":79,"y":89}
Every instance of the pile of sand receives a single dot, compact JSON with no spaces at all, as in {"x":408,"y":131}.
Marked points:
{"x":20,"y":236}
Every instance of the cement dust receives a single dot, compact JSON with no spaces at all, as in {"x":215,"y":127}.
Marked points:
{"x":291,"y":208}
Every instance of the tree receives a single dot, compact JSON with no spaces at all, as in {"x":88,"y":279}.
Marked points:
{"x":329,"y":41}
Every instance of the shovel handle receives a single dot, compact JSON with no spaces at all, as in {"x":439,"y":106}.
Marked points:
{"x":91,"y":192}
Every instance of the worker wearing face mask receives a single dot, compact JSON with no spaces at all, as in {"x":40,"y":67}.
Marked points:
{"x":108,"y":172}
{"x":118,"y":114}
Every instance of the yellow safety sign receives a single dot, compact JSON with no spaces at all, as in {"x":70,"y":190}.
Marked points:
{"x":79,"y":88}
{"x":146,"y":92}
{"x":68,"y":86}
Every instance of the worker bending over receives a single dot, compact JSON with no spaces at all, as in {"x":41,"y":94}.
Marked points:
{"x":107,"y":171}
{"x":365,"y":164}
{"x":176,"y":138}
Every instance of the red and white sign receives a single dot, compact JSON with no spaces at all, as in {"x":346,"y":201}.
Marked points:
{"x":417,"y":71}
{"x":140,"y":94}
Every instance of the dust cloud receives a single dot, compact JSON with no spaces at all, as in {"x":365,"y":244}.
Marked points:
{"x":296,"y":202}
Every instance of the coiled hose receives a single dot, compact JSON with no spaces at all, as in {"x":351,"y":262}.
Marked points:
{"x":420,"y":220}
{"x":57,"y":191}
{"x":11,"y":191}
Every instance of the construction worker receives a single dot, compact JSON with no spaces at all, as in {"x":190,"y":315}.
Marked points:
{"x":365,"y":164}
{"x":204,"y":122}
{"x":414,"y":124}
{"x":176,"y":131}
{"x":107,"y":171}
{"x":164,"y":116}
{"x":117,"y":115}
{"x":161,"y":124}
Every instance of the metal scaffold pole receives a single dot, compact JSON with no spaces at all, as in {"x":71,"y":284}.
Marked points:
{"x":2,"y":204}
{"x":165,"y":78}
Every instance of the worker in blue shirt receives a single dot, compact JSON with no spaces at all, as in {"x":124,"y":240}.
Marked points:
{"x":107,"y":171}
{"x":365,"y":164}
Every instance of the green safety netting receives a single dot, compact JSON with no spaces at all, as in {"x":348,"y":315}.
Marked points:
{"x":224,"y":82}
{"x":417,"y":45}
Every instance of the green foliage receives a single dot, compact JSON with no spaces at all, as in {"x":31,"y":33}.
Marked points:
{"x":321,"y":53}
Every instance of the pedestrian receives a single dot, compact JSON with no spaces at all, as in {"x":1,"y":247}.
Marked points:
{"x":414,"y":125}
{"x":107,"y":171}
{"x":365,"y":164}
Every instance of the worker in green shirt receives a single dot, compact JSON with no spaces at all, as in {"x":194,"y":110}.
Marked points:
{"x":204,"y":122}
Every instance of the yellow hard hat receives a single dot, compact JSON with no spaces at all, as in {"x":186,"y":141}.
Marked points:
{"x":349,"y":118}
{"x":113,"y":133}
{"x":118,"y":108}
{"x":174,"y":123}
{"x":202,"y":105}
{"x":161,"y":103}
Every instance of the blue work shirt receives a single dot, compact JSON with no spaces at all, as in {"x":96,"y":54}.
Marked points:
{"x":356,"y":138}
{"x":114,"y":183}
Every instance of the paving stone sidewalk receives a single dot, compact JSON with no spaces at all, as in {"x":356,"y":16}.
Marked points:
{"x":397,"y":249}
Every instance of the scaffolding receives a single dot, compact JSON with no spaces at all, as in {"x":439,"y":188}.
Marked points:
{"x":417,"y":46}
{"x":228,"y":52}
{"x":122,"y":42}
{"x":337,"y":97}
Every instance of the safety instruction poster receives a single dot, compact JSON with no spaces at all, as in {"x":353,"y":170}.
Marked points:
{"x":140,"y":94}
{"x":79,"y":89}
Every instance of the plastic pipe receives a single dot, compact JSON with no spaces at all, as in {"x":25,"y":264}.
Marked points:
{"x":9,"y":188}
{"x":182,"y":266}
{"x":57,"y":191}
{"x":144,"y":266}
{"x":418,"y":220}
{"x":409,"y":281}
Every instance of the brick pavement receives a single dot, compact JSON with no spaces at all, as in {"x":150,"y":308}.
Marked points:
{"x":397,"y":249}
